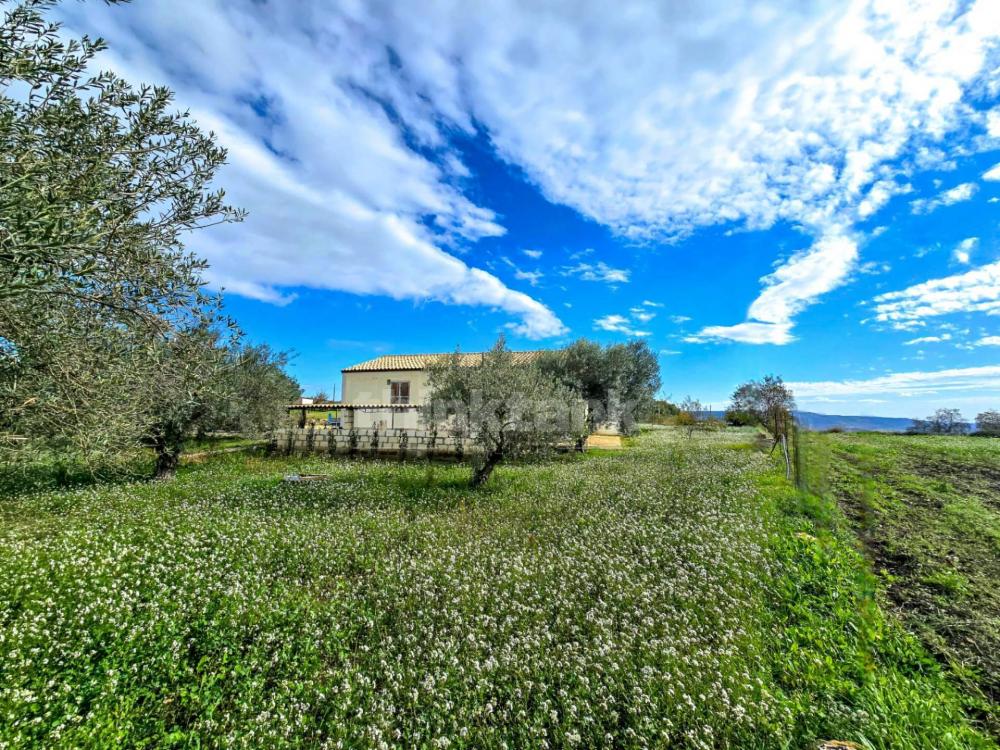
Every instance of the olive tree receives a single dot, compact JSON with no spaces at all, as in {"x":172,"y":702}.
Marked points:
{"x":99,"y":184}
{"x":508,"y":410}
{"x":941,"y":422}
{"x":208,"y":379}
{"x":769,"y":403}
{"x":618,"y":381}
{"x":259,"y":390}
{"x":988,"y":422}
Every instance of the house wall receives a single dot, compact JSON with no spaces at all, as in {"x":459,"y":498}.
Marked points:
{"x":387,"y":419}
{"x":373,"y":387}
{"x":401,"y":443}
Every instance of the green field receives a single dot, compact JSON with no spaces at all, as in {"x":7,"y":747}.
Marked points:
{"x":926,"y":510}
{"x":677,"y":594}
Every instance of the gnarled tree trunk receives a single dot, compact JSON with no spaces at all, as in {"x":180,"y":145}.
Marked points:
{"x":482,"y":473}
{"x":166,"y":463}
{"x":167,"y":444}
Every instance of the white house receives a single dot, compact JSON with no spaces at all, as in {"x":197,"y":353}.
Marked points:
{"x":388,"y":391}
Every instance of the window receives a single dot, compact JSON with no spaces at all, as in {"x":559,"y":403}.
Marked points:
{"x":399,"y":392}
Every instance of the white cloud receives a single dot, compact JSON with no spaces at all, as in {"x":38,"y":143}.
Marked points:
{"x":957,"y":194}
{"x":641,"y":314}
{"x":627,"y":324}
{"x":879,"y":195}
{"x":993,"y":173}
{"x":650,"y":303}
{"x":533,"y":254}
{"x":746,"y":333}
{"x":905,"y":383}
{"x":792,"y":287}
{"x":599,"y":271}
{"x":532,"y":277}
{"x":963,"y":250}
{"x":993,"y":122}
{"x":679,"y":319}
{"x":988,"y":341}
{"x":977,"y":290}
{"x":928,"y":339}
{"x":874,"y":268}
{"x":619,"y":324}
{"x":337,"y":198}
{"x":653,"y":119}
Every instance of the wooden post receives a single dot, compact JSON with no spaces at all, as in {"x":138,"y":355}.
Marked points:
{"x":788,"y":462}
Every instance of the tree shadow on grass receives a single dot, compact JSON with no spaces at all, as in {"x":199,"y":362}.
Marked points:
{"x":54,"y":472}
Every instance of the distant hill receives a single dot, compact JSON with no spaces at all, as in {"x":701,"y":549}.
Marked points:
{"x":811,"y":420}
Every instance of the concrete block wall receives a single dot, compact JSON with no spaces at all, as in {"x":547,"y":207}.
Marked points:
{"x":398,"y":442}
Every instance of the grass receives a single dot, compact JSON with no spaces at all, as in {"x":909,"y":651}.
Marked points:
{"x":678,"y":593}
{"x":926,"y":510}
{"x":218,"y":442}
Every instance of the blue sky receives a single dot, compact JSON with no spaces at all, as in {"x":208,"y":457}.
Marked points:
{"x":805,"y":189}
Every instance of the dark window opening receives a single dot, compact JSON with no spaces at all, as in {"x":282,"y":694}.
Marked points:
{"x":399,"y":392}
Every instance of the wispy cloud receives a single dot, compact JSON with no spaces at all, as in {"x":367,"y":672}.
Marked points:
{"x":599,"y":271}
{"x":533,"y":254}
{"x":787,"y":291}
{"x":988,"y":341}
{"x":963,"y":250}
{"x":619,"y":324}
{"x":532,"y":277}
{"x":957,"y":194}
{"x":905,"y":383}
{"x":928,"y":339}
{"x":745,"y":333}
{"x":769,"y":114}
{"x":642,"y":314}
{"x":639,"y":314}
{"x":992,"y":174}
{"x":337,"y":196}
{"x":973,"y":291}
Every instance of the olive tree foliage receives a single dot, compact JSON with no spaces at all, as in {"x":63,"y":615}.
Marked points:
{"x":988,"y":422}
{"x":186,"y":391}
{"x":767,"y":402}
{"x":941,"y":422}
{"x":618,"y":381}
{"x":508,"y":410}
{"x":259,"y":391}
{"x":100,"y":182}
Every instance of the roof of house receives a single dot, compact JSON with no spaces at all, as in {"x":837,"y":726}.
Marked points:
{"x":423,"y":361}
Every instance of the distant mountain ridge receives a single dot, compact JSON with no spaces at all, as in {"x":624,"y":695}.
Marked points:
{"x":810,"y":420}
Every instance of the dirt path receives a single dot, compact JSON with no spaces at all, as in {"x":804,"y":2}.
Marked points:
{"x":608,"y":442}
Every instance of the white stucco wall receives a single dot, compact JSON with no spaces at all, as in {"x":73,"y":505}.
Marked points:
{"x":373,"y":387}
{"x":383,"y":419}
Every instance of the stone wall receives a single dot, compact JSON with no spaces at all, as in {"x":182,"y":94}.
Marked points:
{"x":399,"y":443}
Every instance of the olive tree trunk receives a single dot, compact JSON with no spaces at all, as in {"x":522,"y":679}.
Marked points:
{"x":482,"y":473}
{"x":167,"y":445}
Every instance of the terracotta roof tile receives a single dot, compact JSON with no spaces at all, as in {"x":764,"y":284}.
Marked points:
{"x":422,"y":361}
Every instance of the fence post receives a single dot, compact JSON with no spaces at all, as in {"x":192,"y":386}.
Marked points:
{"x":788,"y":460}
